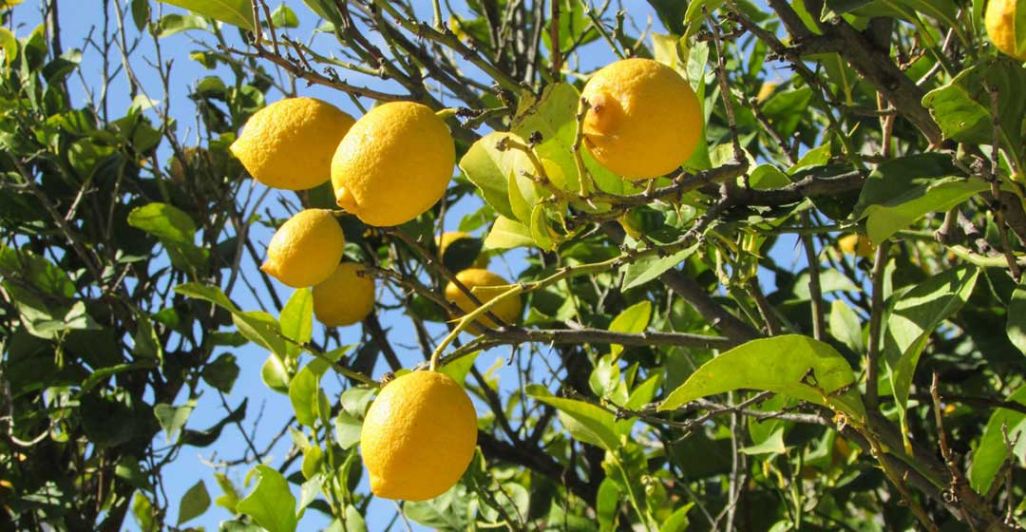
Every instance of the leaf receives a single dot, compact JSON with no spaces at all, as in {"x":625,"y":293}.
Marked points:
{"x":166,"y":222}
{"x":508,"y":234}
{"x":173,"y":418}
{"x":650,"y":268}
{"x":633,"y":319}
{"x":962,"y":108}
{"x":270,"y":504}
{"x":140,"y":13}
{"x":791,"y":365}
{"x":678,"y":520}
{"x":236,"y":12}
{"x":195,"y":501}
{"x":992,"y":452}
{"x":830,"y":280}
{"x":901,"y":191}
{"x":284,"y":17}
{"x":296,"y":321}
{"x":917,"y":314}
{"x":304,"y":393}
{"x":585,"y":422}
{"x":347,"y":429}
{"x":774,"y":444}
{"x":459,"y":368}
{"x":845,"y":325}
{"x":208,"y":293}
{"x":222,"y":372}
{"x":274,"y":374}
{"x":1017,"y":318}
{"x":488,"y":168}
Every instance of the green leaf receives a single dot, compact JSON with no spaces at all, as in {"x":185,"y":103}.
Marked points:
{"x":274,"y":374}
{"x":270,"y":504}
{"x":917,"y":314}
{"x":508,"y":234}
{"x":208,"y":293}
{"x":459,"y":368}
{"x":173,"y":418}
{"x":585,"y":422}
{"x":194,"y":502}
{"x":166,"y":222}
{"x":140,"y":13}
{"x":262,"y":329}
{"x":222,"y":372}
{"x":650,"y":268}
{"x":791,"y":365}
{"x":203,"y":438}
{"x":283,"y":17}
{"x":488,"y":168}
{"x":146,"y":343}
{"x":1017,"y":318}
{"x":236,"y":12}
{"x":554,"y":118}
{"x":845,"y":325}
{"x":992,"y":452}
{"x":962,"y":108}
{"x":143,"y":512}
{"x":678,"y":520}
{"x":347,"y":429}
{"x":633,"y":319}
{"x":901,"y":191}
{"x":774,"y":444}
{"x":304,"y":393}
{"x":35,"y":270}
{"x":296,"y":321}
{"x":830,"y":280}
{"x":230,"y":496}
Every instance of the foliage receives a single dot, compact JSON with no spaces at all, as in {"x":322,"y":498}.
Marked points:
{"x":695,"y":352}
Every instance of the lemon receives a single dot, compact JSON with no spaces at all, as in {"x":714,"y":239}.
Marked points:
{"x":856,"y":244}
{"x":485,"y":285}
{"x":418,"y":436}
{"x":765,"y":91}
{"x":306,"y":249}
{"x":289,"y":144}
{"x":345,"y":298}
{"x":394,"y":164}
{"x":644,"y":120}
{"x":448,"y":238}
{"x":1000,"y":21}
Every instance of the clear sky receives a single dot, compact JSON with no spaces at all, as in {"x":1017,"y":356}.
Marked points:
{"x":78,"y":19}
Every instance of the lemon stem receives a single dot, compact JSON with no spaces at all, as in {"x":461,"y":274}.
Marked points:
{"x":469,"y":318}
{"x":448,"y":112}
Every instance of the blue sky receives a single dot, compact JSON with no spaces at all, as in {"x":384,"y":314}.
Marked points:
{"x":193,"y":463}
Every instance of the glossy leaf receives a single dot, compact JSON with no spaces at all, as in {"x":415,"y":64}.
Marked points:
{"x":992,"y":451}
{"x":634,"y":319}
{"x":586,"y":422}
{"x":270,"y":504}
{"x":792,"y":365}
{"x":235,"y":12}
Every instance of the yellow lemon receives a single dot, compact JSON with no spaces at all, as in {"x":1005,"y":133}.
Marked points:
{"x":1000,"y":21}
{"x":486,"y":286}
{"x":345,"y":298}
{"x":449,"y":237}
{"x":306,"y":249}
{"x":418,"y":436}
{"x":394,"y":164}
{"x":765,"y":91}
{"x":856,"y":244}
{"x":289,"y":144}
{"x":644,"y":120}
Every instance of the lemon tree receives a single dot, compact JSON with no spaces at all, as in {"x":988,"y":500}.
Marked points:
{"x":551,"y":264}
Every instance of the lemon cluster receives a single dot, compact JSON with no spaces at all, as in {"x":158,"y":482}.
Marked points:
{"x":386,"y":168}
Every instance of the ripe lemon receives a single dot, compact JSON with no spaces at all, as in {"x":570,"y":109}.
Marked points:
{"x":306,"y":249}
{"x":644,"y":120}
{"x":856,"y":244}
{"x":1000,"y":21}
{"x":394,"y":164}
{"x":289,"y":144}
{"x":448,"y":238}
{"x":485,"y":285}
{"x":418,"y":436}
{"x":345,"y":298}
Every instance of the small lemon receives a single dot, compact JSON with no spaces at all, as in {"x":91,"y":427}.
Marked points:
{"x":448,"y":238}
{"x":394,"y":164}
{"x":306,"y":249}
{"x":345,"y":298}
{"x":856,"y":244}
{"x":1000,"y":21}
{"x":418,"y":436}
{"x":289,"y":144}
{"x":486,"y":286}
{"x":644,"y":120}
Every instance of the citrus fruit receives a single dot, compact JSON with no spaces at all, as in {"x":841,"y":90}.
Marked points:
{"x":418,"y":436}
{"x":344,"y":298}
{"x":856,"y":244}
{"x":289,"y":144}
{"x":485,"y":285}
{"x":394,"y":164}
{"x":306,"y":249}
{"x":449,"y":238}
{"x":1001,"y":23}
{"x":644,"y":120}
